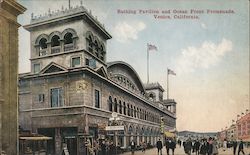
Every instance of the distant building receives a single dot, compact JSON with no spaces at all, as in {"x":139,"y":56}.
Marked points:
{"x":222,"y":135}
{"x":243,"y":127}
{"x":184,"y":135}
{"x":231,"y":133}
{"x":72,"y":91}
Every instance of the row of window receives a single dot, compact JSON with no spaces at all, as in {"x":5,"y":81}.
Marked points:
{"x":57,"y":100}
{"x":130,"y":110}
{"x":95,"y":46}
{"x":52,"y":44}
{"x":124,"y":81}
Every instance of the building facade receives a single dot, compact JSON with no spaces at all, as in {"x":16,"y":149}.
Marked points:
{"x":243,"y":128}
{"x":9,"y":10}
{"x":71,"y":89}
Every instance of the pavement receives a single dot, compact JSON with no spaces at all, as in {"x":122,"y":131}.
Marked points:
{"x":180,"y":151}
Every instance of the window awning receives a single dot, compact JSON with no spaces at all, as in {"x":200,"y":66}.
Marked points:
{"x":169,"y":134}
{"x":35,"y":138}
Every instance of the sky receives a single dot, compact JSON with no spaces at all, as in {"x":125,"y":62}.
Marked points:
{"x":209,"y":52}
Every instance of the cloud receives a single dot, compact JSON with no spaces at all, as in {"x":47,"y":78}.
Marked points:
{"x":125,"y":31}
{"x":203,"y":25}
{"x":205,"y":56}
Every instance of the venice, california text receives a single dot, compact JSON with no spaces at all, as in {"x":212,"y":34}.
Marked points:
{"x":174,"y":13}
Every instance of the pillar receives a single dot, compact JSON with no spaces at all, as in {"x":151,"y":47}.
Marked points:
{"x":9,"y":10}
{"x":124,"y":141}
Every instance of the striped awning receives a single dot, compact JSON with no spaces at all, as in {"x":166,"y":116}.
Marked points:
{"x":169,"y":134}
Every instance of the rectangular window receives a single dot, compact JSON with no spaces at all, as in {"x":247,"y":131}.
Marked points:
{"x":36,"y":68}
{"x":86,"y":61}
{"x":76,"y":62}
{"x":97,"y":98}
{"x":92,"y":63}
{"x":56,"y":97}
{"x":41,"y":98}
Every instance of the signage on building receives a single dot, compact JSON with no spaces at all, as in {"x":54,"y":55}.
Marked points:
{"x":114,"y":128}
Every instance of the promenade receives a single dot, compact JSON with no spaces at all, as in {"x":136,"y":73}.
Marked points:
{"x":180,"y":151}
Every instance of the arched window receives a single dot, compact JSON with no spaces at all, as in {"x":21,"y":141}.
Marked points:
{"x":55,"y":44}
{"x":43,"y":43}
{"x":55,"y":41}
{"x":115,"y":107}
{"x":68,"y":38}
{"x":131,"y":111}
{"x":68,"y":42}
{"x":134,"y":112}
{"x":128,"y":110}
{"x":96,"y":49}
{"x":138,"y":113}
{"x":102,"y":52}
{"x":124,"y":108}
{"x":130,"y":130}
{"x":110,"y":103}
{"x":120,"y":107}
{"x":89,"y":41}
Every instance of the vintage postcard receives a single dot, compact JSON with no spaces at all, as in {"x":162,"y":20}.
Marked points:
{"x":142,"y":77}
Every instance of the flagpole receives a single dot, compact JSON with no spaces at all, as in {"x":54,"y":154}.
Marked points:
{"x":147,"y":65}
{"x":167,"y":85}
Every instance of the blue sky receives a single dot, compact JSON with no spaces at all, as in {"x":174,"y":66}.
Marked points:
{"x":210,"y":55}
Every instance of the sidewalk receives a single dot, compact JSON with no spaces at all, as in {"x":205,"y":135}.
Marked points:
{"x":180,"y":151}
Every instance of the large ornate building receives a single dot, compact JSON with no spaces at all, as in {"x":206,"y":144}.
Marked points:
{"x":72,"y":90}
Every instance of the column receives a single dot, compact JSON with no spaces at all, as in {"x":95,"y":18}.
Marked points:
{"x":9,"y":10}
{"x":124,"y":141}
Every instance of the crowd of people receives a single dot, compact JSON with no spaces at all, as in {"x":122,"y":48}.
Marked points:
{"x":100,"y":147}
{"x":209,"y":146}
{"x":199,"y":147}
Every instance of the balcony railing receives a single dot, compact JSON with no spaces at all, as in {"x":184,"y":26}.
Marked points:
{"x":43,"y":52}
{"x":55,"y":49}
{"x":68,"y":47}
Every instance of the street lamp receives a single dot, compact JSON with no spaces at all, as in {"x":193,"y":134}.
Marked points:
{"x":114,"y":127}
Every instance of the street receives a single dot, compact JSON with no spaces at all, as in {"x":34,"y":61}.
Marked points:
{"x":180,"y":151}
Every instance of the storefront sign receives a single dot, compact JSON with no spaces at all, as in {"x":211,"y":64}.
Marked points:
{"x":114,"y":128}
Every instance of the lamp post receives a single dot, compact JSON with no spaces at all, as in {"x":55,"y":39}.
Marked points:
{"x":115,"y":127}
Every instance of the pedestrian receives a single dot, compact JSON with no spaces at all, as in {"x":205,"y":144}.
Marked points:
{"x":234,"y":146}
{"x":210,"y":146}
{"x":144,"y":146}
{"x":224,"y":145}
{"x":159,"y":146}
{"x":172,"y":146}
{"x":103,"y":147}
{"x":203,"y":148}
{"x":167,"y":145}
{"x":215,"y":147}
{"x":197,"y":147}
{"x":132,"y":146}
{"x":188,"y":146}
{"x":241,"y":148}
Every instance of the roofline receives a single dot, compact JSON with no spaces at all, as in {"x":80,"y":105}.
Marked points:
{"x":84,"y":13}
{"x":124,"y":63}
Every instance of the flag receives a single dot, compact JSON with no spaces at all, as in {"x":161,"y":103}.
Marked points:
{"x":171,"y":72}
{"x":152,"y":47}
